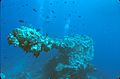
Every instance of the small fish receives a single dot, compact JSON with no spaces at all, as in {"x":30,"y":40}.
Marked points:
{"x":53,"y":11}
{"x":36,"y":54}
{"x":38,"y":30}
{"x":34,"y":10}
{"x":51,"y":4}
{"x":47,"y":17}
{"x":46,"y":35}
{"x":65,"y":2}
{"x":26,"y":4}
{"x":21,"y":21}
{"x":69,"y":15}
{"x":23,"y":6}
{"x":79,"y":16}
{"x":54,"y":16}
{"x":73,"y":2}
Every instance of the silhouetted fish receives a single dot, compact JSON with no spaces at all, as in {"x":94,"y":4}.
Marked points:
{"x":36,"y":54}
{"x":37,"y":29}
{"x":46,"y":34}
{"x":21,"y":21}
{"x":73,"y":2}
{"x":65,"y":2}
{"x":54,"y":16}
{"x":47,"y":17}
{"x":79,"y":16}
{"x":26,"y":4}
{"x":34,"y":10}
{"x":51,"y":4}
{"x":69,"y":14}
{"x":52,"y":11}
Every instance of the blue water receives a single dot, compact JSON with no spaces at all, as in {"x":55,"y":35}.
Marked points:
{"x":100,"y":19}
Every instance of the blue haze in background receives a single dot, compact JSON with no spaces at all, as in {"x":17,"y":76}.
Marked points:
{"x":100,"y":19}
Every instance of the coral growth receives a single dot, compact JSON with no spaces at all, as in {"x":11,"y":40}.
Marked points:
{"x":73,"y":60}
{"x":2,"y":76}
{"x":31,"y":41}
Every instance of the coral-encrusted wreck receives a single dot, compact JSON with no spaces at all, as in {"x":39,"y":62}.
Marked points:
{"x":74,"y":53}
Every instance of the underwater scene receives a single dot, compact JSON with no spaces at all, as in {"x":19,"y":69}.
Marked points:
{"x":60,"y":39}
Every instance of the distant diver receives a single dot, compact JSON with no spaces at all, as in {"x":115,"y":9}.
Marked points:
{"x":67,"y":26}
